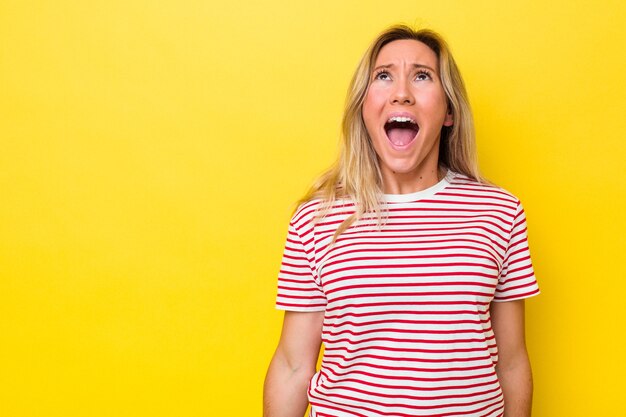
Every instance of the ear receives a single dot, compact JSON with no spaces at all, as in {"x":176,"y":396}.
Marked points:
{"x":448,"y":121}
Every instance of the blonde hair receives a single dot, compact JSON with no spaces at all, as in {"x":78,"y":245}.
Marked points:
{"x":356,"y":175}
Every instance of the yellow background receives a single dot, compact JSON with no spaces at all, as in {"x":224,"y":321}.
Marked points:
{"x":152,"y":152}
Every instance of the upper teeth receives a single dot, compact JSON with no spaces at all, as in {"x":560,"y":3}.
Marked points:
{"x":400,"y":119}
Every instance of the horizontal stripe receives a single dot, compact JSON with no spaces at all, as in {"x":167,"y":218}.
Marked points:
{"x":407,"y":325}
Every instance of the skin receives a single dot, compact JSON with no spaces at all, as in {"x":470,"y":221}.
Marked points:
{"x":413,"y":168}
{"x":513,"y":367}
{"x":410,"y":83}
{"x":293,"y":365}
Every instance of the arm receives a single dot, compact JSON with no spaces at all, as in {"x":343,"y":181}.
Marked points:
{"x":293,"y":365}
{"x":513,"y":367}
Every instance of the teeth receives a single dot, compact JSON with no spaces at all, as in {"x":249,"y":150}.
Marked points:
{"x":400,"y":119}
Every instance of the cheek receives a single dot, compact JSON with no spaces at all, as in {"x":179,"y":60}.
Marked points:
{"x":375,"y":96}
{"x":372,"y":106}
{"x":436,"y":103}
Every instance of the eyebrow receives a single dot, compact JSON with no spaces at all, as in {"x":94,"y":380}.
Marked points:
{"x":414,"y":66}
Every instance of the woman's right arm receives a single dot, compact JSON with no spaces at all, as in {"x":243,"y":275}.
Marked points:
{"x":293,"y":365}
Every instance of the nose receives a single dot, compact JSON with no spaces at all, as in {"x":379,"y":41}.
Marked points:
{"x":402,"y":94}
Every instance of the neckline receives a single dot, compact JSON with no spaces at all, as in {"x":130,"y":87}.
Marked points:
{"x":418,"y":195}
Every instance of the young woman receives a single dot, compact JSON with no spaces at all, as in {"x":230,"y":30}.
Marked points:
{"x":410,"y":268}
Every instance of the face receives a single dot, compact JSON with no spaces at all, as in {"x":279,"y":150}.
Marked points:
{"x":405,"y":108}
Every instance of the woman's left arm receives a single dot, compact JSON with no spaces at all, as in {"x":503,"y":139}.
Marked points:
{"x":513,"y":367}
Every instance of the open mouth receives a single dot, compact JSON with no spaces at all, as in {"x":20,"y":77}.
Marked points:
{"x":401,"y":131}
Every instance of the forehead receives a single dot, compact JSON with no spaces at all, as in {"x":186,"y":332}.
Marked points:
{"x":406,"y":51}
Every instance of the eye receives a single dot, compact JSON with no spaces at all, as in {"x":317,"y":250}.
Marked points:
{"x":381,"y":75}
{"x":423,"y":75}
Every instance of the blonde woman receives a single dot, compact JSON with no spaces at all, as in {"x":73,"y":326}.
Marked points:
{"x":408,"y":267}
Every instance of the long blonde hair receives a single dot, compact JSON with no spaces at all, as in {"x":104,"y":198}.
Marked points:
{"x":355,"y":175}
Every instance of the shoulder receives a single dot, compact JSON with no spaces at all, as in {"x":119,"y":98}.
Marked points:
{"x":305,"y":212}
{"x":312,"y":212}
{"x":483,"y":190}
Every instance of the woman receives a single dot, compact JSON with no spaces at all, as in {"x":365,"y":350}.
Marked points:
{"x":410,"y":268}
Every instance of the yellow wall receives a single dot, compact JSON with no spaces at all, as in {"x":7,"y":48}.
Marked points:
{"x":152,"y":151}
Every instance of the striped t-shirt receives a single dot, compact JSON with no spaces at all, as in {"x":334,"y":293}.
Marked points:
{"x":407,"y":329}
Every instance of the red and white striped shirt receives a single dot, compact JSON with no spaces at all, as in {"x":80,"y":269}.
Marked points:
{"x":407,"y":328}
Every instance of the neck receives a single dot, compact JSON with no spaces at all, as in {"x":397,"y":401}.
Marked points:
{"x":410,"y":182}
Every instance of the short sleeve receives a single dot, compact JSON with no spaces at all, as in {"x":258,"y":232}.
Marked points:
{"x":517,"y":277}
{"x":297,"y":288}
